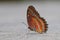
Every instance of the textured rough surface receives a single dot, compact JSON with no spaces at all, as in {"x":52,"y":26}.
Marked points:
{"x":13,"y":24}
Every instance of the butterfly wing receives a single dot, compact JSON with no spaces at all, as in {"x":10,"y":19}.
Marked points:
{"x":35,"y":22}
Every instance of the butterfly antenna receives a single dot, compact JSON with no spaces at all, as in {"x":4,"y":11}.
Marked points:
{"x":24,"y":23}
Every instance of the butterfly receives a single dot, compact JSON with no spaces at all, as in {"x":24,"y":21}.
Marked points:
{"x":35,"y":21}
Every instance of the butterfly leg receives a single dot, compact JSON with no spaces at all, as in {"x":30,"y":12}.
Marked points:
{"x":30,"y":28}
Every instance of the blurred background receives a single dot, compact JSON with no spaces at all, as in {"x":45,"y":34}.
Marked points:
{"x":13,"y":21}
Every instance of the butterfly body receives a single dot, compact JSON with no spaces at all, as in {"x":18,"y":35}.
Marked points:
{"x":35,"y":22}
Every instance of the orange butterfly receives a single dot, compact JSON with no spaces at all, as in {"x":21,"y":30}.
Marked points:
{"x":35,"y":22}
